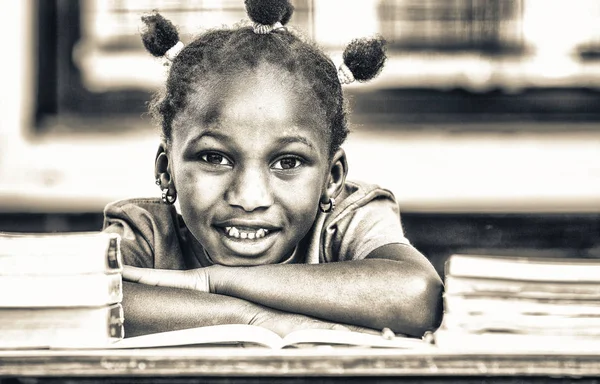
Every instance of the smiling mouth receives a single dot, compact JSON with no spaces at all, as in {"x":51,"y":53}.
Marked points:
{"x":246,"y":233}
{"x":248,"y":241}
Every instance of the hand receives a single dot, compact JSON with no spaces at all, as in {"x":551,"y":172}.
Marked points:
{"x":195,"y":279}
{"x":283,"y":323}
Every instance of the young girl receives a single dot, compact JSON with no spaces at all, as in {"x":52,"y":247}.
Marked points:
{"x":269,"y":232}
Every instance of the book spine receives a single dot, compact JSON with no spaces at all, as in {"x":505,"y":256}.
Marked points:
{"x":60,"y":291}
{"x":116,"y":320}
{"x":113,"y":257}
{"x":60,"y":254}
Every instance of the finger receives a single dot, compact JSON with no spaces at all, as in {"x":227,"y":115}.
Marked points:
{"x":369,"y":331}
{"x":339,"y":327}
{"x":326,"y":325}
{"x":157,"y":277}
{"x":133,"y":274}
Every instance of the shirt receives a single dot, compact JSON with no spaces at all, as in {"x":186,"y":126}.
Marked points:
{"x":154,"y":235}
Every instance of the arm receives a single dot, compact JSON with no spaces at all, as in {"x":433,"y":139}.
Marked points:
{"x":394,"y":287}
{"x":150,"y":309}
{"x":147,"y":237}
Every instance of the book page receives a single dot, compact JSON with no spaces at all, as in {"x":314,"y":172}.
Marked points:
{"x":216,"y":334}
{"x":526,"y":269}
{"x":473,"y":287}
{"x":234,"y":334}
{"x":336,"y":337}
{"x":500,"y":342}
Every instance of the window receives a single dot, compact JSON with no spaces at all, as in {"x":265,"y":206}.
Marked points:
{"x":453,"y":25}
{"x":458,"y":58}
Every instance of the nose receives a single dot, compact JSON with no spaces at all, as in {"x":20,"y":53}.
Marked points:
{"x":250,"y":190}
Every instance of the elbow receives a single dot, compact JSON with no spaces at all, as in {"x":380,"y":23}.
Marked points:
{"x":421,"y":309}
{"x":431,"y":311}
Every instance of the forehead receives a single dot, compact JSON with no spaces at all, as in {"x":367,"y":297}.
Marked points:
{"x":265,"y":101}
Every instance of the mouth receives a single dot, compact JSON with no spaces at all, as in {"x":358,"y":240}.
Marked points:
{"x":248,"y":241}
{"x":246,"y":233}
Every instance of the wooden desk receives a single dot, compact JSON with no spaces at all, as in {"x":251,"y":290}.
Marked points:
{"x":332,"y":365}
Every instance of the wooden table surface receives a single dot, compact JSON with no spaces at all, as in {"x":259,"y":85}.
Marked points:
{"x":322,"y":362}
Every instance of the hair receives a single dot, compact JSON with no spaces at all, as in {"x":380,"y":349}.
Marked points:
{"x":229,"y":51}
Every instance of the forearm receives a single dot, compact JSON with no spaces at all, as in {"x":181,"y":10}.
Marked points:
{"x":372,"y":293}
{"x":150,"y":309}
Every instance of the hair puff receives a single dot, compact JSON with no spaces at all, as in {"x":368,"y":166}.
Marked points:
{"x":160,"y":34}
{"x":268,"y":12}
{"x":365,"y":57}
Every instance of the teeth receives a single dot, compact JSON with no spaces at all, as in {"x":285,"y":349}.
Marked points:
{"x":233,"y":231}
{"x":245,"y":234}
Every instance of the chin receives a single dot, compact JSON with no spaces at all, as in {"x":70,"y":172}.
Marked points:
{"x":243,"y":261}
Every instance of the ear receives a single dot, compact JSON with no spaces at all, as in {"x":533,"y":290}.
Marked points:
{"x":161,"y":167}
{"x":337,"y":176}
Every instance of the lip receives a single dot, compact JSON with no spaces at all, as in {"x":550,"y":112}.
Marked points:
{"x":253,"y":224}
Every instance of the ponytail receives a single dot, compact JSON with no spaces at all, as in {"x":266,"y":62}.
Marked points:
{"x":363,"y":60}
{"x":269,"y":12}
{"x":160,"y":35}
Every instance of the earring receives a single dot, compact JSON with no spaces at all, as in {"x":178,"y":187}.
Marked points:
{"x":157,"y":182}
{"x":327,"y":207}
{"x":167,"y":198}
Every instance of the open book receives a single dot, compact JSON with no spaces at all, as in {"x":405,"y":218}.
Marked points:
{"x":252,"y":335}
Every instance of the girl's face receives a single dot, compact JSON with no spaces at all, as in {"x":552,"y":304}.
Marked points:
{"x":249,"y":159}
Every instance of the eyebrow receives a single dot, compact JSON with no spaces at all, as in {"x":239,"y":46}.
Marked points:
{"x":208,"y":133}
{"x":295,"y":139}
{"x":219,"y":136}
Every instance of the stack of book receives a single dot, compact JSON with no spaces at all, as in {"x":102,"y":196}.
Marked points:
{"x":521,"y":304}
{"x":60,"y":290}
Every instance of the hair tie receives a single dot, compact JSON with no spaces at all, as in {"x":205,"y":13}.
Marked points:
{"x":345,"y":74}
{"x":172,"y":53}
{"x":262,"y":29}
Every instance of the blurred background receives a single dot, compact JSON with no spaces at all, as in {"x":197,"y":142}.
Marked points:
{"x":485,"y":123}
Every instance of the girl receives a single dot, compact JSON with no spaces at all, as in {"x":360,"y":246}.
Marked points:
{"x":269,"y":232}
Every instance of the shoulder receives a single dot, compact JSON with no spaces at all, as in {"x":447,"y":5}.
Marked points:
{"x":360,"y":189}
{"x":149,"y":211}
{"x":149,"y":229}
{"x":146,"y":214}
{"x":150,"y":205}
{"x":366,"y":218}
{"x":358,"y":194}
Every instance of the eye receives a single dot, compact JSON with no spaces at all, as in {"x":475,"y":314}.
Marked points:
{"x":215,"y":159}
{"x":288,"y":163}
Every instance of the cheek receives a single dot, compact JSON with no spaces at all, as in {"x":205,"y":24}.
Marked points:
{"x":199,"y":193}
{"x":300,"y":198}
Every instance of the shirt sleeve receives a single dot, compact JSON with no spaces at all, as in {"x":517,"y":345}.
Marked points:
{"x":150,"y":234}
{"x":369,"y":225}
{"x":135,"y":227}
